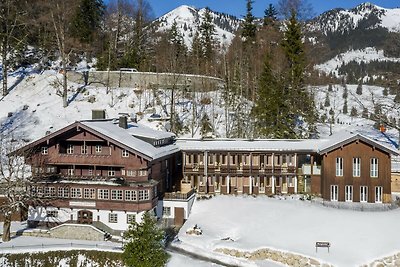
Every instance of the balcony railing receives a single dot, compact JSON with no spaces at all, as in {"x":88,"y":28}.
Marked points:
{"x":178,"y":195}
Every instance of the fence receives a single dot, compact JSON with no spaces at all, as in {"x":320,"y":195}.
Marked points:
{"x":63,"y":245}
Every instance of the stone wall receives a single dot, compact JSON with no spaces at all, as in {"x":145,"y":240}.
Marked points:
{"x":77,"y":231}
{"x":145,"y":80}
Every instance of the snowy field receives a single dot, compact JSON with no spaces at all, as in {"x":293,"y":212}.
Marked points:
{"x":291,"y":225}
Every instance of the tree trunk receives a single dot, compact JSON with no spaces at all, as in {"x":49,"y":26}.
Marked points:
{"x":65,"y":84}
{"x":5,"y":67}
{"x":7,"y":227}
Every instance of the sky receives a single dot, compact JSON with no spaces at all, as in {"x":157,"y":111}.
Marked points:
{"x":238,"y":7}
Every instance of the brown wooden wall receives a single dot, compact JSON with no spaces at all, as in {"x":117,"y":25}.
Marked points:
{"x":348,"y":152}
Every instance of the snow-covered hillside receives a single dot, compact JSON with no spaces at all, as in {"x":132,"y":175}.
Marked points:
{"x":188,"y":18}
{"x":365,"y":55}
{"x":365,"y":15}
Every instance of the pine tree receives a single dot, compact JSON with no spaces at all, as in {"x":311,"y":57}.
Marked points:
{"x":353,"y":112}
{"x":144,"y":246}
{"x":385,"y":92}
{"x":345,"y":107}
{"x":327,"y":101}
{"x":345,"y":91}
{"x":207,"y":32}
{"x":359,"y":89}
{"x":365,"y":113}
{"x":330,"y":88}
{"x":206,"y":126}
{"x":270,"y":16}
{"x":301,"y":102}
{"x":249,"y":27}
{"x":87,"y":20}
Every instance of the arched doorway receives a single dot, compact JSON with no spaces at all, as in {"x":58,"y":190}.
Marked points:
{"x":85,"y":217}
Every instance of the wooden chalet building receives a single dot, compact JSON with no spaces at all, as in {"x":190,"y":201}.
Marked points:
{"x":101,"y":172}
{"x":346,"y":167}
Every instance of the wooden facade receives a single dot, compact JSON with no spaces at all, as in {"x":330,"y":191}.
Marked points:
{"x":80,"y":168}
{"x":252,"y":168}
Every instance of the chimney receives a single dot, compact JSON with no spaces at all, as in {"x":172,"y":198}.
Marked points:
{"x":98,"y":114}
{"x":123,"y":122}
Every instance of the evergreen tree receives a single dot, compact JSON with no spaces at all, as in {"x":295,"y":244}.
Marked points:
{"x":353,"y":112}
{"x":87,"y":20}
{"x":365,"y":113}
{"x":327,"y":101}
{"x":345,"y":92}
{"x":206,"y":126}
{"x":301,"y":102}
{"x":144,"y":246}
{"x":359,"y":89}
{"x":270,"y":16}
{"x":249,"y":27}
{"x":207,"y":32}
{"x":345,"y":107}
{"x":176,"y":39}
{"x":330,"y":88}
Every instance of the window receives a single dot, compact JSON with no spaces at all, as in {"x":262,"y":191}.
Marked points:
{"x":103,"y":194}
{"x":378,"y":194}
{"x":116,"y":194}
{"x":89,"y":193}
{"x":334,"y":192}
{"x":143,"y":195}
{"x":39,"y":191}
{"x":130,"y":173}
{"x":130,"y":218}
{"x":142,"y":173}
{"x":166,"y":211}
{"x":363,"y":193}
{"x":63,"y":192}
{"x":348,"y":193}
{"x":356,"y":167}
{"x":223,"y":159}
{"x":84,"y":149}
{"x":52,"y":213}
{"x":125,"y":154}
{"x":339,"y":166}
{"x":97,"y":149}
{"x":130,"y":195}
{"x":76,"y":193}
{"x":374,"y":167}
{"x":45,"y":150}
{"x":111,"y":172}
{"x":70,"y":149}
{"x":90,"y":171}
{"x":112,"y":218}
{"x":70,"y":171}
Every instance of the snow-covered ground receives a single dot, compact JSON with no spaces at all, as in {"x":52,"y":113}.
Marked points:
{"x":291,"y":225}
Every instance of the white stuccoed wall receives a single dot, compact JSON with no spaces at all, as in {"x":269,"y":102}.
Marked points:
{"x":185,"y":204}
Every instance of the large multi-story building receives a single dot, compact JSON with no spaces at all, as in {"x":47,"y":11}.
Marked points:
{"x":346,"y":167}
{"x":108,"y":172}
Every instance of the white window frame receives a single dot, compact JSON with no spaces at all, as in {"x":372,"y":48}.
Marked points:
{"x":45,"y":150}
{"x":113,"y":218}
{"x":116,"y":195}
{"x":374,"y":167}
{"x":98,"y":149}
{"x":103,"y":194}
{"x":71,"y":171}
{"x":63,"y":192}
{"x":130,"y":218}
{"x":131,"y":195}
{"x":130,"y":173}
{"x":70,"y":149}
{"x":339,"y":166}
{"x":356,"y":167}
{"x":363,"y":193}
{"x":144,"y":195}
{"x":334,"y":192}
{"x":348,"y":193}
{"x":125,"y":153}
{"x":166,"y":211}
{"x":76,"y":192}
{"x":84,"y":149}
{"x":378,"y":194}
{"x":89,"y":193}
{"x":111,"y":172}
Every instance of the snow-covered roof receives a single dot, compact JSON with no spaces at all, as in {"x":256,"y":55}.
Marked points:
{"x":279,"y":145}
{"x":126,"y":137}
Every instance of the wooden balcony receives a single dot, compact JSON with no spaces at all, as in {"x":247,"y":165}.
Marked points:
{"x":85,"y":159}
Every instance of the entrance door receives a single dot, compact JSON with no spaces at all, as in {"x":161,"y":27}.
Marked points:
{"x":85,"y":217}
{"x":284,"y":185}
{"x":179,"y":216}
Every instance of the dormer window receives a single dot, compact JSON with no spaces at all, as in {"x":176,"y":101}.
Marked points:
{"x":125,"y":154}
{"x":98,"y":149}
{"x":45,"y":150}
{"x":70,"y":149}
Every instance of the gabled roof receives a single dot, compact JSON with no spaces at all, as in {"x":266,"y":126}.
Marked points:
{"x":342,"y":139}
{"x":108,"y":130}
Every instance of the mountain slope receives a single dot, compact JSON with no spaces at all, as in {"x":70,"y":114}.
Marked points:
{"x":188,"y":18}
